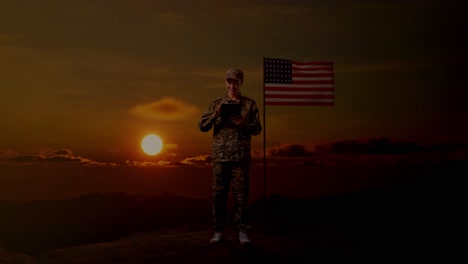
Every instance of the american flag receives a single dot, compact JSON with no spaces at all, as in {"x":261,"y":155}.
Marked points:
{"x":289,"y":82}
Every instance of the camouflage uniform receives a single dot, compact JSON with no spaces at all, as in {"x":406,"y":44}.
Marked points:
{"x":231,"y":157}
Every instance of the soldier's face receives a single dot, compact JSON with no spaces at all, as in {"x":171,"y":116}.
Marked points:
{"x":233,"y":86}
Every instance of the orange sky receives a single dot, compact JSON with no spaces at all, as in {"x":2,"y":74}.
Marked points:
{"x":87,"y":80}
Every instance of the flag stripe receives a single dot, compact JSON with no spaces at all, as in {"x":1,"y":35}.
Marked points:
{"x":299,"y":100}
{"x":311,"y":67}
{"x":301,"y":68}
{"x":311,"y":81}
{"x":329,"y":63}
{"x":314,"y":74}
{"x":311,"y":78}
{"x":282,"y":89}
{"x":303,"y":103}
{"x":298,"y":85}
{"x":271,"y":86}
{"x":299,"y":96}
{"x":300,"y":81}
{"x":300,"y":92}
{"x":310,"y":100}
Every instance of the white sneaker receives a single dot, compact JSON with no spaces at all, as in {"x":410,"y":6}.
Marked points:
{"x":243,"y":238}
{"x":217,"y":237}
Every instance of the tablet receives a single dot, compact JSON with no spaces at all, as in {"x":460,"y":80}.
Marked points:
{"x":227,"y":110}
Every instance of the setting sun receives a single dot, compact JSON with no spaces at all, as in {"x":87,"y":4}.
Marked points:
{"x":151,"y":144}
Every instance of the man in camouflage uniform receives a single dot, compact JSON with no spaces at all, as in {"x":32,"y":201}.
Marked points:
{"x":231,"y":158}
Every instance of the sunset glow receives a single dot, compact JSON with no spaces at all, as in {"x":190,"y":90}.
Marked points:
{"x":151,"y":144}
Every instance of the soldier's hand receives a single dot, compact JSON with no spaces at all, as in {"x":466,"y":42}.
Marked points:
{"x":238,"y":120}
{"x":217,"y":112}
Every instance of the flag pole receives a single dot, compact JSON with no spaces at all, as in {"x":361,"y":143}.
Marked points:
{"x":264,"y":133}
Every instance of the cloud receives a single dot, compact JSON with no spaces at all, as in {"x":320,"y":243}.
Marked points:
{"x":197,"y":161}
{"x":290,"y":151}
{"x":168,"y":108}
{"x":151,"y":164}
{"x":60,"y":156}
{"x":200,"y":160}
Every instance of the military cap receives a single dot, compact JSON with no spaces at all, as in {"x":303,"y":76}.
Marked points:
{"x":235,"y":74}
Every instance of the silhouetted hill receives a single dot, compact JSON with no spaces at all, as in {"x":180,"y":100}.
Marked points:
{"x":43,"y":225}
{"x":418,"y":218}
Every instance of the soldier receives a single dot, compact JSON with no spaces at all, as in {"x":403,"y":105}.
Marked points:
{"x":231,"y":158}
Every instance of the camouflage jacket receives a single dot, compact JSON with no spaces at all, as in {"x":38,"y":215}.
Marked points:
{"x":231,"y":142}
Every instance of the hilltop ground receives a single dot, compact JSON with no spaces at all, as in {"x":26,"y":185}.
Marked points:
{"x":420,"y":219}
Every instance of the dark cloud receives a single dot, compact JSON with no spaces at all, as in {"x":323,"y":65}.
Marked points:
{"x":27,"y":159}
{"x":197,"y":161}
{"x":48,"y":159}
{"x":63,"y":152}
{"x":290,"y":150}
{"x":372,"y":146}
{"x":60,"y":156}
{"x":384,"y":146}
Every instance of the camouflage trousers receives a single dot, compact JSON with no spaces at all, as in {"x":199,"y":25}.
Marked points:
{"x":225,"y":174}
